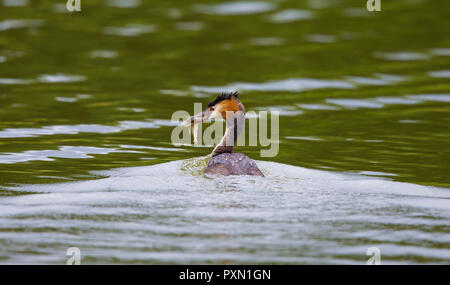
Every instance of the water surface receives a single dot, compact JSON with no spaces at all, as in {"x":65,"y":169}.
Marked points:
{"x":364,"y":100}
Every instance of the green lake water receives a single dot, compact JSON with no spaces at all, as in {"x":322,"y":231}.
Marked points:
{"x":364,"y":103}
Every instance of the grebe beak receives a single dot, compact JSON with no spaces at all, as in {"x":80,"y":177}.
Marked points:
{"x":198,"y":118}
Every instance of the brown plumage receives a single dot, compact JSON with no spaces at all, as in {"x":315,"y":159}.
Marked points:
{"x":224,"y":161}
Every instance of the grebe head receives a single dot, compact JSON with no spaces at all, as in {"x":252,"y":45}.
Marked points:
{"x":218,"y":108}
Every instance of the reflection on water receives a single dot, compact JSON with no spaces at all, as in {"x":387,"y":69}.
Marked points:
{"x":130,"y":30}
{"x":364,"y":95}
{"x":440,"y":74}
{"x":290,"y":15}
{"x":440,"y":51}
{"x":402,"y":56}
{"x":73,"y":99}
{"x":266,"y":41}
{"x":189,"y":26}
{"x":235,"y":8}
{"x":18,"y":24}
{"x":45,"y":78}
{"x":320,"y":38}
{"x":103,"y":54}
{"x":354,"y":103}
{"x":48,"y":155}
{"x":84,"y":128}
{"x":123,"y":3}
{"x":292,"y":85}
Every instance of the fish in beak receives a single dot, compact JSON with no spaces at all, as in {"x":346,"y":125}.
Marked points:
{"x":198,"y":118}
{"x":192,"y":122}
{"x":216,"y":111}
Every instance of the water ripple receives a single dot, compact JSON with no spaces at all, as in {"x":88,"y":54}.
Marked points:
{"x":61,"y":152}
{"x":12,"y":81}
{"x":189,"y":26}
{"x":440,"y":51}
{"x":431,"y":97}
{"x":18,"y":24}
{"x":83,"y":128}
{"x":401,"y":56}
{"x":131,"y":30}
{"x":124,"y":3}
{"x":440,"y":74}
{"x":267,"y":41}
{"x":355,"y":103}
{"x":290,"y":15}
{"x":235,"y":8}
{"x":320,"y":38}
{"x":103,"y":54}
{"x":161,"y":213}
{"x":15,"y":3}
{"x":292,"y":85}
{"x":317,"y":107}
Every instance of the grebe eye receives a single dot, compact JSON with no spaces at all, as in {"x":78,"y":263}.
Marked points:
{"x":212,"y":109}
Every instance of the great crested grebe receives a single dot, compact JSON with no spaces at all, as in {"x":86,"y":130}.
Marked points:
{"x":224,"y":160}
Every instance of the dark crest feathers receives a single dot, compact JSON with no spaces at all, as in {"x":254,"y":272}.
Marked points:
{"x":223,"y":96}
